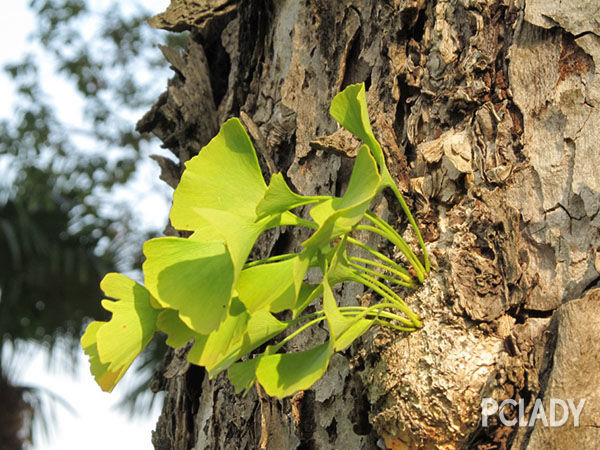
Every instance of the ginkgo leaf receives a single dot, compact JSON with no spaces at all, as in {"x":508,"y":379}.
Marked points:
{"x":260,"y":286}
{"x":243,"y":374}
{"x":273,"y":286}
{"x":236,"y":336}
{"x":239,"y":233}
{"x":338,"y":268}
{"x":178,"y":334}
{"x":339,"y":215}
{"x":193,"y":277}
{"x":105,"y":378}
{"x":209,"y":350}
{"x":279,"y":198}
{"x":344,"y":330}
{"x":349,"y":109}
{"x":113,"y":345}
{"x":261,"y":327}
{"x":225,"y":175}
{"x":283,"y":374}
{"x":133,"y":321}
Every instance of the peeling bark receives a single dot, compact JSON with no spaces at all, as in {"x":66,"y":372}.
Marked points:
{"x":487,"y":110}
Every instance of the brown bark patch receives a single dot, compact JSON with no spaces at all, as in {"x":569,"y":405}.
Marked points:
{"x":573,"y":60}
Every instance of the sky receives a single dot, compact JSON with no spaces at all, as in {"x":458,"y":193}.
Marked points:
{"x":95,"y":423}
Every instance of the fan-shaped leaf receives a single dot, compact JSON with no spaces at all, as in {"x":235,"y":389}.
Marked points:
{"x":349,"y":109}
{"x":281,"y":375}
{"x":113,"y":345}
{"x":225,"y":176}
{"x":105,"y":378}
{"x":344,"y":330}
{"x":279,"y":198}
{"x":339,"y":215}
{"x":193,"y":277}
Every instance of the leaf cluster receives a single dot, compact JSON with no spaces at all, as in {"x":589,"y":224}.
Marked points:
{"x":204,"y":289}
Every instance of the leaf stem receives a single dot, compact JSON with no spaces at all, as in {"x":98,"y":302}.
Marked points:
{"x":401,"y":274}
{"x":291,"y":336}
{"x":376,"y":254}
{"x":411,"y":219}
{"x":377,"y":307}
{"x":270,"y":259}
{"x":381,"y":275}
{"x":391,"y":325}
{"x":390,"y":295}
{"x":392,"y":235}
{"x":374,"y":310}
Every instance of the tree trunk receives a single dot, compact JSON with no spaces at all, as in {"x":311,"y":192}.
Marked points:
{"x":486,"y":110}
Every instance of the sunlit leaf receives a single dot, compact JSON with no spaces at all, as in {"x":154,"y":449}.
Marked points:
{"x":118,"y":342}
{"x":133,"y":321}
{"x":274,"y":286}
{"x":281,"y":375}
{"x":225,"y":176}
{"x":349,"y":108}
{"x":193,"y":277}
{"x":344,"y":330}
{"x":209,"y":350}
{"x":105,"y":378}
{"x":239,"y":233}
{"x":261,"y":328}
{"x":279,"y":198}
{"x":338,"y":269}
{"x":339,"y":215}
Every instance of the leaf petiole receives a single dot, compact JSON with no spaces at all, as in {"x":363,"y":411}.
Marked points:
{"x":270,"y":259}
{"x":382,"y":275}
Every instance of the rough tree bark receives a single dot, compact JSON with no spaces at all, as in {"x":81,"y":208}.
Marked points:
{"x":487,"y":110}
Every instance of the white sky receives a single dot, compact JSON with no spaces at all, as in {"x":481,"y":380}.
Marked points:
{"x":96,"y":425}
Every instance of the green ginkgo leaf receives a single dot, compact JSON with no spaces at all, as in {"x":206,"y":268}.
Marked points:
{"x":192,"y":277}
{"x":349,"y":109}
{"x":261,"y":327}
{"x":339,"y":215}
{"x":344,"y":330}
{"x":274,"y":286}
{"x":284,"y":374}
{"x":243,"y":374}
{"x":224,"y":176}
{"x":260,"y":286}
{"x":338,"y":269}
{"x":133,"y":321}
{"x":117,"y":343}
{"x":178,"y":334}
{"x":279,"y":198}
{"x":105,"y":378}
{"x":239,"y":233}
{"x":209,"y":350}
{"x":237,"y":335}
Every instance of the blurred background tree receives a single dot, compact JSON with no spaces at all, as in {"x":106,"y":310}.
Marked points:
{"x":62,"y":225}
